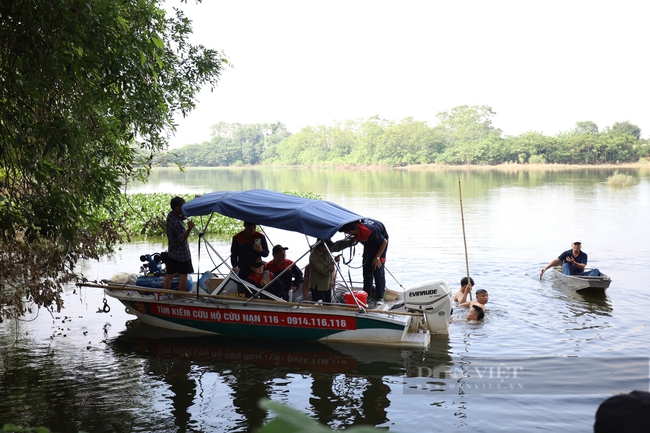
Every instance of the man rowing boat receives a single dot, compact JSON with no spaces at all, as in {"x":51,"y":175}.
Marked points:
{"x":573,"y":262}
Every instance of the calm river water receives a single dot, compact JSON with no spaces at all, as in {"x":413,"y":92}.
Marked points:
{"x":544,"y":358}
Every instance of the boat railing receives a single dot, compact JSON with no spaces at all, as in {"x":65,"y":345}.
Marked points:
{"x":130,"y":289}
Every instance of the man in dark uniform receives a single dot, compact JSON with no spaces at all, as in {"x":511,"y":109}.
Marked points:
{"x":573,"y":262}
{"x":247,"y":246}
{"x":374,"y":237}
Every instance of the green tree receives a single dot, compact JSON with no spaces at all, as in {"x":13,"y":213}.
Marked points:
{"x":465,"y":127}
{"x":530,"y":147}
{"x":408,"y":142}
{"x":370,"y":134}
{"x":626,"y":128}
{"x":88,"y":87}
{"x":587,"y":127}
{"x":468,"y":122}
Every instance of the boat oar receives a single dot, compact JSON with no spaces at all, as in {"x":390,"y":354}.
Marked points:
{"x":462,"y":219}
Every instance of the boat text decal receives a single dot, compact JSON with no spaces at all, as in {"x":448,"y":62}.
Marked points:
{"x":295,"y":320}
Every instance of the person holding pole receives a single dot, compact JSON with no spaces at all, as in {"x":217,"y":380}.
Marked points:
{"x":464,"y":286}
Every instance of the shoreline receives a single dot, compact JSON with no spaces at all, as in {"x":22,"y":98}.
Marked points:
{"x":432,"y":167}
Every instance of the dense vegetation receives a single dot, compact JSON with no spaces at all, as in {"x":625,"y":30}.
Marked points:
{"x":464,"y":135}
{"x":89,"y":90}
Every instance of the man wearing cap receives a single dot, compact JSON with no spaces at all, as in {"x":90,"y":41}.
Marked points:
{"x":292,"y":279}
{"x":258,"y":278}
{"x":247,"y":246}
{"x":573,"y":262}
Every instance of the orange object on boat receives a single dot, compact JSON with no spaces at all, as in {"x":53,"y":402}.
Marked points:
{"x":361,"y":296}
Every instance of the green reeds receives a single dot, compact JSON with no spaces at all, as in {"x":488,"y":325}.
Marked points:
{"x":620,"y":180}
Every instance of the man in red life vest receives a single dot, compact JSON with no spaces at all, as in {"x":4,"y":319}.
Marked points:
{"x":260,"y":278}
{"x":374,"y":237}
{"x":292,"y":279}
{"x":247,"y":246}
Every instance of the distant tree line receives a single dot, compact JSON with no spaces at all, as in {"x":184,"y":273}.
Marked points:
{"x":464,"y":135}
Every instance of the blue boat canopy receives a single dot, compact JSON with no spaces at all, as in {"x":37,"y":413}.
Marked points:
{"x":317,"y":218}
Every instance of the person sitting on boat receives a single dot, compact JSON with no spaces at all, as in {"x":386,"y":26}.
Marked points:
{"x":321,"y":268}
{"x":247,"y":246}
{"x":573,"y":262}
{"x":475,"y":313}
{"x":463,"y":287}
{"x":259,"y":278}
{"x":179,"y":258}
{"x":482,"y":298}
{"x":374,"y":237}
{"x":292,"y":279}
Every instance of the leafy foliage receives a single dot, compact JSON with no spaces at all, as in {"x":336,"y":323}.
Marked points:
{"x":464,"y":135}
{"x":231,"y":144}
{"x":89,"y":92}
{"x":290,"y":420}
{"x":15,"y":429}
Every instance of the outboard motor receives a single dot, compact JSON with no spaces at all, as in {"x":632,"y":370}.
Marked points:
{"x":154,"y":265}
{"x":152,"y":275}
{"x":434,"y":300}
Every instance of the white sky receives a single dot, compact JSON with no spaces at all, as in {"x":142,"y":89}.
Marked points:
{"x":541,"y":65}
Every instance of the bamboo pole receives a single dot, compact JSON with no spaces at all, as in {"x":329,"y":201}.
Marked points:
{"x":462,"y":218}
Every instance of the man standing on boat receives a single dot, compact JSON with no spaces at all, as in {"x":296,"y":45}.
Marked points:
{"x":247,"y":246}
{"x":179,"y":258}
{"x":573,"y":262}
{"x":374,"y":237}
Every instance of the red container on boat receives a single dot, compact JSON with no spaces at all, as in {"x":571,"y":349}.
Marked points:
{"x":361,"y":296}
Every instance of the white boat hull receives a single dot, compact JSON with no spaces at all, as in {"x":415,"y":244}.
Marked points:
{"x":257,"y":318}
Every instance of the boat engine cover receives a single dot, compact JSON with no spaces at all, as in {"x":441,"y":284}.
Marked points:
{"x":425,"y":296}
{"x":434,"y":301}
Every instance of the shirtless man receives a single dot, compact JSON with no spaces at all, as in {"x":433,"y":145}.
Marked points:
{"x":463,"y":286}
{"x":475,"y":313}
{"x":482,"y":298}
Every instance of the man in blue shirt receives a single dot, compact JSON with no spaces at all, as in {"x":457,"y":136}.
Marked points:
{"x":573,"y":262}
{"x":179,"y":258}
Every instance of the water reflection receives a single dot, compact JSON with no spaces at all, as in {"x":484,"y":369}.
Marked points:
{"x":348,"y":383}
{"x":581,"y":302}
{"x":404,"y":181}
{"x":77,"y":373}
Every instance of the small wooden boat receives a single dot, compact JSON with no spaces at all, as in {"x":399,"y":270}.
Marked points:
{"x":579,"y":282}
